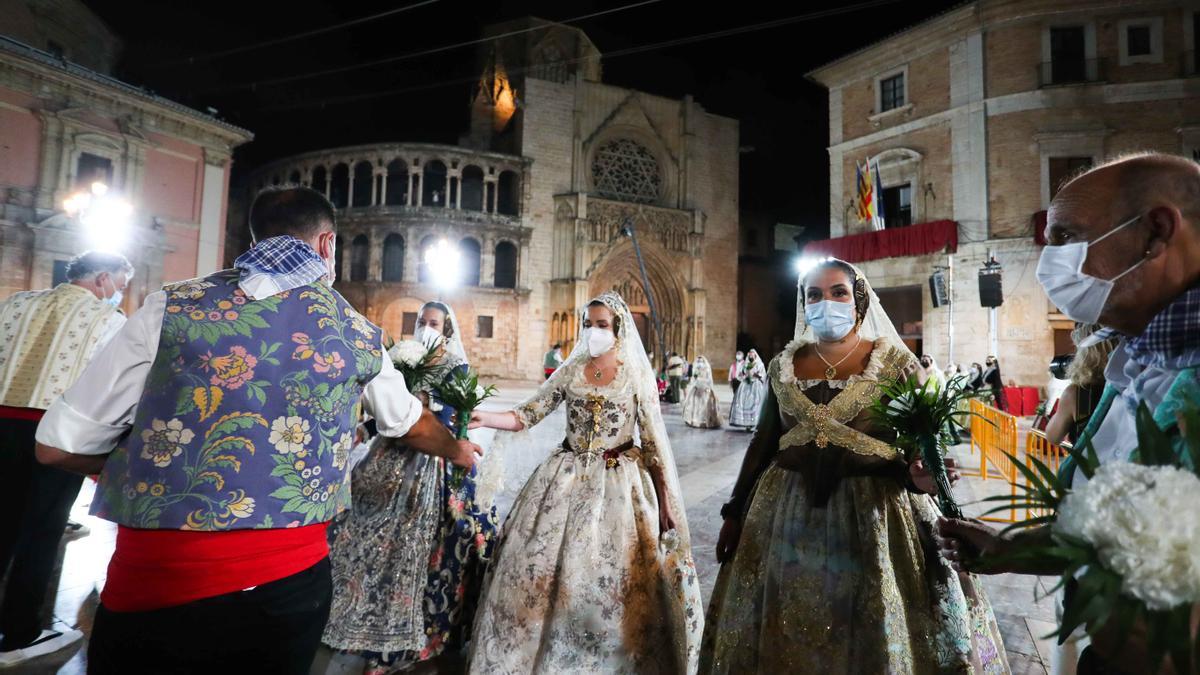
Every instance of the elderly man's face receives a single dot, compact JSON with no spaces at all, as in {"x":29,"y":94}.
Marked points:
{"x":1083,"y":212}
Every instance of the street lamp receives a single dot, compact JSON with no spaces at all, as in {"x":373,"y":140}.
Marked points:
{"x":627,"y":231}
{"x":805,"y":264}
{"x":105,"y":217}
{"x":442,"y":266}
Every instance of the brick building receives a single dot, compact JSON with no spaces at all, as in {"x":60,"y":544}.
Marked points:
{"x":65,"y":122}
{"x":976,"y":116}
{"x":535,"y":195}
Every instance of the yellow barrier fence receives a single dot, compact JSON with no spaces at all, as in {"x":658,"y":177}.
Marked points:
{"x":994,"y":437}
{"x":1040,"y":447}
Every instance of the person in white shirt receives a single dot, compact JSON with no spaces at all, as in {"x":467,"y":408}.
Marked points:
{"x":208,"y":566}
{"x":1124,"y":252}
{"x":47,"y":338}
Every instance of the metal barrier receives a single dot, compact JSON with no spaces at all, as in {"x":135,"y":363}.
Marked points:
{"x":1039,"y":447}
{"x":994,"y":435}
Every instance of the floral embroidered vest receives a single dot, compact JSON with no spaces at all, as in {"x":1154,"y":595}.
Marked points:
{"x":247,"y":418}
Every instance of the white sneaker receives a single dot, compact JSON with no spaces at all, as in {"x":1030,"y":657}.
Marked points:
{"x":47,"y":643}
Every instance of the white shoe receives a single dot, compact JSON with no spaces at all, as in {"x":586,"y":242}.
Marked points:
{"x":47,"y":643}
{"x":76,"y":530}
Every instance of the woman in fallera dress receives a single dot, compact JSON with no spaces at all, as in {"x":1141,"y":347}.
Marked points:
{"x":748,"y":400}
{"x":699,"y":399}
{"x":409,"y":557}
{"x":828,"y":559}
{"x":593,"y":572}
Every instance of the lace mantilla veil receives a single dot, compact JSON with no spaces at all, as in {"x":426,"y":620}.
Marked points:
{"x":636,"y":371}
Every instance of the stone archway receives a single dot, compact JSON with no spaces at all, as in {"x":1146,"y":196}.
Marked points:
{"x":392,"y":320}
{"x":618,"y":270}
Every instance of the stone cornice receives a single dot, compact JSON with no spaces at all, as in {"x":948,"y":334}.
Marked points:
{"x":55,"y":82}
{"x":387,"y":151}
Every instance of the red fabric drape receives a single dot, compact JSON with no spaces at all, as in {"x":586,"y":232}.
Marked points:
{"x":1039,"y":228}
{"x":921,"y":239}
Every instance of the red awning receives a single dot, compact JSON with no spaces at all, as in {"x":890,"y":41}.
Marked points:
{"x":922,"y":239}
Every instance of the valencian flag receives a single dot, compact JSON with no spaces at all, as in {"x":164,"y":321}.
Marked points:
{"x":869,"y":195}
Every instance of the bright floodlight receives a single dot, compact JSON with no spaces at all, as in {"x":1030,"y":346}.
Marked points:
{"x":441,"y":260}
{"x":105,"y":218}
{"x":805,"y":264}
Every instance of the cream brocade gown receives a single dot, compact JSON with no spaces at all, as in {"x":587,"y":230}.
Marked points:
{"x":579,"y":582}
{"x":837,"y":570}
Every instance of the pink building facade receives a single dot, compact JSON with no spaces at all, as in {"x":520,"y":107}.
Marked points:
{"x":64,"y":126}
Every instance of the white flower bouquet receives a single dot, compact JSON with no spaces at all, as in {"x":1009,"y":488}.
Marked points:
{"x":416,"y":362}
{"x":921,"y":415}
{"x":1128,"y":539}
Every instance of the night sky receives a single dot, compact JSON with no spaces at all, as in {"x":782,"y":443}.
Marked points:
{"x":755,"y":76}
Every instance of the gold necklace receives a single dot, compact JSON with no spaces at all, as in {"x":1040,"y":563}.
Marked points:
{"x":597,"y":373}
{"x":831,"y":371}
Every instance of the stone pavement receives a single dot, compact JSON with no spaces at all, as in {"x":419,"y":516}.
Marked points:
{"x":708,"y":462}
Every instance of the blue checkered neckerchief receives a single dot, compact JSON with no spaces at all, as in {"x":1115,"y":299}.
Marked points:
{"x":1172,"y":339}
{"x":289,"y":262}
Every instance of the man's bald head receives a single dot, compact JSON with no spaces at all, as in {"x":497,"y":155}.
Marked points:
{"x":1159,"y":196}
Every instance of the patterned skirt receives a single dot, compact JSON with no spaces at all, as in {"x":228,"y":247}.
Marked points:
{"x":856,"y":586}
{"x":408,"y":558}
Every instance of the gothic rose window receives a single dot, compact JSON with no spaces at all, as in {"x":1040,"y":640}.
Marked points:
{"x":625,"y":170}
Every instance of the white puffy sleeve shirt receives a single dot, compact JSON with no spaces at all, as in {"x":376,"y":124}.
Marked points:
{"x":94,"y":413}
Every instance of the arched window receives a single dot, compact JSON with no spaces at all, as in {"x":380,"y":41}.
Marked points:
{"x":508,"y":198}
{"x":294,"y":178}
{"x":363,"y":177}
{"x":397,"y":183}
{"x":339,"y":185}
{"x":472,"y":188}
{"x":393,"y":258}
{"x":337,"y":255}
{"x":469,"y":252}
{"x":506,"y":265}
{"x":434,"y":191}
{"x":320,"y":180}
{"x":422,"y":271}
{"x":360,"y":258}
{"x":625,"y":170}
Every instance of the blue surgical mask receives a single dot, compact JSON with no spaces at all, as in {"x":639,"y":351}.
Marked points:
{"x":830,"y":320}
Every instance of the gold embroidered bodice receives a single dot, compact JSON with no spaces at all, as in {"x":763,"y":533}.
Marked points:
{"x":824,"y":429}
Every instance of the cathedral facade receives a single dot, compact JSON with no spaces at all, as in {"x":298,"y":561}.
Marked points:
{"x":539,"y":196}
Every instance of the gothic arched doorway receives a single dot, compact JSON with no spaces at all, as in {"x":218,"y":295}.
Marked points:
{"x":618,"y":271}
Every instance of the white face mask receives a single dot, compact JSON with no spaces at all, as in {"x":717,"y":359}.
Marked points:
{"x":1079,"y":295}
{"x":331,"y":262}
{"x":830,"y":320}
{"x":599,"y":340}
{"x":427,"y":336}
{"x":114,"y":299}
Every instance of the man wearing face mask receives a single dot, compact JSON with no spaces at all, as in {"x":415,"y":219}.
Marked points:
{"x":1125,"y":253}
{"x":46,"y":339}
{"x":221,"y":419}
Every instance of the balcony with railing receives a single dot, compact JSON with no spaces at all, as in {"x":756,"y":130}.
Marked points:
{"x":1067,"y":71}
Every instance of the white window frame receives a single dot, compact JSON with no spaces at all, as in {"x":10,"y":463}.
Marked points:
{"x":903,"y":71}
{"x":1155,"y":23}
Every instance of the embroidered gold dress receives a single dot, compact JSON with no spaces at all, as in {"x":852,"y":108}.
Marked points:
{"x":837,"y":570}
{"x":579,"y":582}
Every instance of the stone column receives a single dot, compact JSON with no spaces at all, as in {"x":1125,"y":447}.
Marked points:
{"x":48,"y":185}
{"x":412,"y":255}
{"x":383,"y":176}
{"x":350,"y":188}
{"x":375,"y":254}
{"x":487,"y":261}
{"x":419,"y":180}
{"x":374,"y":188}
{"x":454,"y":179}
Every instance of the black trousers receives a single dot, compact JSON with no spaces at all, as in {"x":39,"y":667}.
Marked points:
{"x":34,"y":504}
{"x":273,"y":628}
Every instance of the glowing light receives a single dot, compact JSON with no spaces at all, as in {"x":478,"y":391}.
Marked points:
{"x":805,"y":264}
{"x":441,"y":260}
{"x":106,"y":219}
